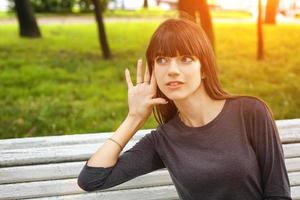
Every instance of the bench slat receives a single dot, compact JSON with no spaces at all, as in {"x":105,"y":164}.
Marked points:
{"x":291,"y":150}
{"x":40,"y":172}
{"x":151,"y":193}
{"x":292,"y":164}
{"x":44,"y":167}
{"x":160,"y":193}
{"x":62,"y":140}
{"x":295,"y":192}
{"x":286,"y":127}
{"x":291,"y":135}
{"x":80,"y":152}
{"x":69,"y":186}
{"x":71,"y":170}
{"x":294,"y":178}
{"x":43,"y":155}
{"x":288,"y":123}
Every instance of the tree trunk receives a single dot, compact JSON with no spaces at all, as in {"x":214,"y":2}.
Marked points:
{"x":187,"y":6}
{"x":122,"y":5}
{"x":27,"y":23}
{"x":199,"y":11}
{"x":101,"y":30}
{"x":206,"y":22}
{"x":260,"y":44}
{"x":271,"y":11}
{"x":145,"y":4}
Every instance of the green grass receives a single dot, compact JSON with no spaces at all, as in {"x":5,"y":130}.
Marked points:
{"x":109,"y":13}
{"x":6,"y":15}
{"x":144,"y":13}
{"x":60,"y":85}
{"x":230,"y":14}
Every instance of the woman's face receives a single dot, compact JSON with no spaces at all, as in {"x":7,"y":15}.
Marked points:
{"x":183,"y":68}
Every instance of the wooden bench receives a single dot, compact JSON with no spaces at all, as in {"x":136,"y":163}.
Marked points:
{"x":47,"y":167}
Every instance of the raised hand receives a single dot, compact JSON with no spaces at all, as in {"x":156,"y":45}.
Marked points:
{"x":141,"y":97}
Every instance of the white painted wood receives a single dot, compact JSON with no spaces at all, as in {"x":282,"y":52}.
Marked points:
{"x":67,"y":170}
{"x":295,"y":192}
{"x":48,"y":167}
{"x":291,"y":135}
{"x":294,"y":178}
{"x":69,"y":186}
{"x":290,"y":123}
{"x":79,"y":152}
{"x":42,"y":155}
{"x":284,"y":126}
{"x":291,"y":150}
{"x":151,"y":193}
{"x":292,"y":164}
{"x":155,"y":193}
{"x":61,"y":140}
{"x":42,"y":172}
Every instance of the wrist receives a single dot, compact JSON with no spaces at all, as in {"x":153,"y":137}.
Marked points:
{"x":136,"y":121}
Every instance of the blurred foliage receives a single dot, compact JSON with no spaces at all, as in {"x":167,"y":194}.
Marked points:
{"x":62,"y":6}
{"x":60,"y":85}
{"x":140,"y":13}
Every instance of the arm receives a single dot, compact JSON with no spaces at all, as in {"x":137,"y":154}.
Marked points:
{"x":267,"y":146}
{"x":108,"y":170}
{"x":107,"y":155}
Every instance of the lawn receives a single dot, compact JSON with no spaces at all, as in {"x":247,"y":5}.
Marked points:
{"x":140,"y":13}
{"x":60,"y":85}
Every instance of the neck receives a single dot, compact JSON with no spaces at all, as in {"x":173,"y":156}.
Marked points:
{"x":198,"y":109}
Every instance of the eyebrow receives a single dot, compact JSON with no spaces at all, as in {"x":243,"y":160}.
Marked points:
{"x":175,"y":56}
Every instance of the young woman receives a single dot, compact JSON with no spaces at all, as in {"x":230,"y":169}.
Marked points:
{"x":216,"y":146}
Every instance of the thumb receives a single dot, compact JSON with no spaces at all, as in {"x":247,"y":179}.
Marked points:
{"x":158,"y":101}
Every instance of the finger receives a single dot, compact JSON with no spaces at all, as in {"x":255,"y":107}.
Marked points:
{"x":158,"y":101}
{"x":139,"y":71}
{"x":153,"y":79}
{"x":128,"y":78}
{"x":147,"y":75}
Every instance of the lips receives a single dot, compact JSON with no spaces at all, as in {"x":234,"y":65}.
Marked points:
{"x":174,"y":83}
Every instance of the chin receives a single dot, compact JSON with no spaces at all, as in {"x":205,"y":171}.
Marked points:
{"x":175,"y":97}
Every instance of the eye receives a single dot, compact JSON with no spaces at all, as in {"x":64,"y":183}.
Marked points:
{"x":161,"y":60}
{"x":186,"y":59}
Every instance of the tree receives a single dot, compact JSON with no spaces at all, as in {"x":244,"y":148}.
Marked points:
{"x":206,"y":21}
{"x":27,"y":23}
{"x":260,"y":44}
{"x":199,"y":11}
{"x":98,"y":9}
{"x":145,"y":4}
{"x":271,"y":11}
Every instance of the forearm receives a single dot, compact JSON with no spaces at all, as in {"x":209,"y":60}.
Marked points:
{"x":107,"y":155}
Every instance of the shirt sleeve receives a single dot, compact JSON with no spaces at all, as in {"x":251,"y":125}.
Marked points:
{"x":142,"y":158}
{"x":268,"y":148}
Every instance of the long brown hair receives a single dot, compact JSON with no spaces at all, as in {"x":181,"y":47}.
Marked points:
{"x":185,"y":37}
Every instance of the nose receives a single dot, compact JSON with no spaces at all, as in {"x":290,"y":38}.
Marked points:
{"x":173,"y":68}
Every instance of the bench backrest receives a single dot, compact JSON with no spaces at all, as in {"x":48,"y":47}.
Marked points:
{"x":47,"y":167}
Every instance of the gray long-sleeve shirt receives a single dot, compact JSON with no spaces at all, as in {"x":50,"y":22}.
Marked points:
{"x":238,"y":155}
